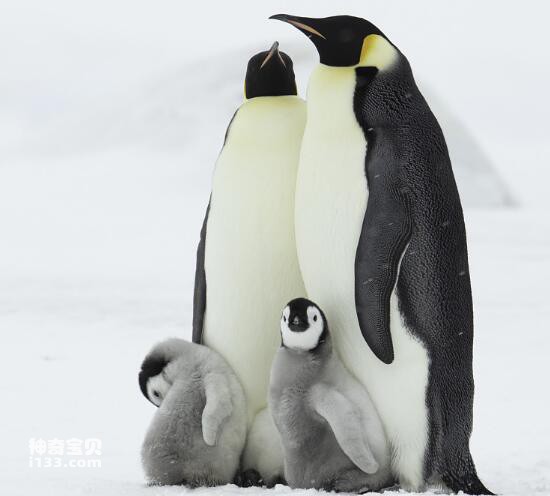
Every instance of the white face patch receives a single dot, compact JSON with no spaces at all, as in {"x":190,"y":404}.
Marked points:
{"x":304,"y":340}
{"x":157,"y":387}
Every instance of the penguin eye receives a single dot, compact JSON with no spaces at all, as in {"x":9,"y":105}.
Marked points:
{"x":156,"y":394}
{"x":284,"y":318}
{"x":315,"y":318}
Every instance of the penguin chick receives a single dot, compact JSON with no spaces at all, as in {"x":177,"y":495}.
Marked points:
{"x":198,"y":433}
{"x":332,"y":436}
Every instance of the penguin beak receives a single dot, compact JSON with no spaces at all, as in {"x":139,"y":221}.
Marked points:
{"x":296,"y":324}
{"x":273,"y":52}
{"x":306,"y":25}
{"x":338,"y":39}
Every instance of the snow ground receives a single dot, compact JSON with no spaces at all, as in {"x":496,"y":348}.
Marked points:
{"x":97,"y":236}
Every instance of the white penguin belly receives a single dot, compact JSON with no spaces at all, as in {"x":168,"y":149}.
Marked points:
{"x":331,"y":199}
{"x":250,"y":254}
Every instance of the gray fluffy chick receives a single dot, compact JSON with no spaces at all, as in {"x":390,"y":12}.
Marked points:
{"x":332,"y":436}
{"x":198,"y":432}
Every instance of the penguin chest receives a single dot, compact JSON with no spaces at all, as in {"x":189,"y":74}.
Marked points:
{"x":251,"y":262}
{"x":331,"y":191}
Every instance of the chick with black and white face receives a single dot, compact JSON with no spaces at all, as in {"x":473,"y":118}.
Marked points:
{"x":303,"y":325}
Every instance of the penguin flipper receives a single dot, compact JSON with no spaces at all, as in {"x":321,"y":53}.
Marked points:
{"x":199,"y":297}
{"x":346,"y":425}
{"x":218,"y":406}
{"x":384,"y":236}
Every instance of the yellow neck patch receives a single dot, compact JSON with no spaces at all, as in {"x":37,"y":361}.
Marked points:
{"x":377,"y":52}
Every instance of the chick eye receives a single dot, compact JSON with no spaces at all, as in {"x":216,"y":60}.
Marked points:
{"x":156,"y":394}
{"x":284,"y":318}
{"x":315,"y":318}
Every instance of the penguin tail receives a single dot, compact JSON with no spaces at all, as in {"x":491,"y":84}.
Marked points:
{"x":467,"y":482}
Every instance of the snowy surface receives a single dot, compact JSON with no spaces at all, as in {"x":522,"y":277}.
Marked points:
{"x":101,"y":203}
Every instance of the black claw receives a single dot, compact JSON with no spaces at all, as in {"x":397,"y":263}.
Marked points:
{"x":249,"y":478}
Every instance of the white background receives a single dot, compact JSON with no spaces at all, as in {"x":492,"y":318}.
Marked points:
{"x":111,"y":116}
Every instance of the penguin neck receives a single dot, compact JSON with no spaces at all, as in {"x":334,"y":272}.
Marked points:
{"x":259,"y":101}
{"x":309,"y":363}
{"x":177,"y":367}
{"x":330,"y":98}
{"x":262,"y":119}
{"x":267,"y":107}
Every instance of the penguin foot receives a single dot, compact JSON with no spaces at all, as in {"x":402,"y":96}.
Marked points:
{"x":249,"y":478}
{"x":391,"y":488}
{"x":277,"y":480}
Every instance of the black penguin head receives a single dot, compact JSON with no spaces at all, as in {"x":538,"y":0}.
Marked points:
{"x":341,"y":41}
{"x":152,"y":382}
{"x":159,"y":369}
{"x":303,"y":325}
{"x":270,"y":73}
{"x":385,"y":90}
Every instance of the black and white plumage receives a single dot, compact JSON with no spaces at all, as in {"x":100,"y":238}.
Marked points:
{"x":382,"y":247}
{"x":247,"y":265}
{"x":332,"y":436}
{"x":198,"y":433}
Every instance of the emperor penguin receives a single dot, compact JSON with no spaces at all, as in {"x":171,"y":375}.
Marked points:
{"x":247,"y":265}
{"x":382,"y":247}
{"x":198,"y":433}
{"x":332,"y":436}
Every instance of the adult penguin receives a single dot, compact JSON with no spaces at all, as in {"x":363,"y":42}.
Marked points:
{"x":382,"y":247}
{"x":247,"y":265}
